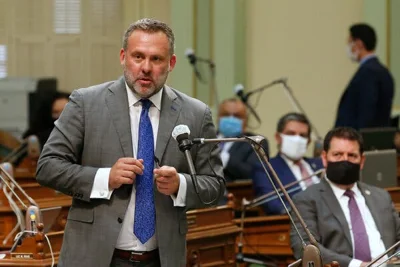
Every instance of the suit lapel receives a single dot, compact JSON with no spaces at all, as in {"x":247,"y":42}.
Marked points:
{"x":170,"y":109}
{"x":372,"y":205}
{"x":333,"y":204}
{"x":286,"y":171}
{"x":117,"y":103}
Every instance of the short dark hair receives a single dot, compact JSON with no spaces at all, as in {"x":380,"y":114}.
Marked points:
{"x":150,"y":26}
{"x":292,"y":116}
{"x":365,"y":33}
{"x":343,"y":133}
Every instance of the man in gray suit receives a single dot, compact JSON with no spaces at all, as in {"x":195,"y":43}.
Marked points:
{"x":353,"y":222}
{"x":105,"y":149}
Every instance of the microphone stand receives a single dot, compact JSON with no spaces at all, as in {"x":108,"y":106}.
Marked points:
{"x":296,"y":104}
{"x":300,"y":109}
{"x":383,"y":254}
{"x":32,"y":215}
{"x":269,"y":196}
{"x":211,"y":66}
{"x":311,"y":252}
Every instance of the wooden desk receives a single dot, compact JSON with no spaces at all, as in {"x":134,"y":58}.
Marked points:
{"x":211,"y":241}
{"x":35,"y":250}
{"x":267,"y":235}
{"x":211,"y":238}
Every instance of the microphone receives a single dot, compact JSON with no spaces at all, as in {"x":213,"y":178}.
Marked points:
{"x":269,"y":196}
{"x":189,"y":52}
{"x":32,"y":215}
{"x":181,"y":135}
{"x":238,"y":89}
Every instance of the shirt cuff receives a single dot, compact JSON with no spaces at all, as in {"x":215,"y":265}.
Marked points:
{"x":180,"y":199}
{"x":355,"y":263}
{"x":100,"y":184}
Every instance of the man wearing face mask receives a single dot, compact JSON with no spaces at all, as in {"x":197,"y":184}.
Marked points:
{"x":367,"y":100}
{"x":353,"y":222}
{"x":292,"y":136}
{"x":237,"y":157}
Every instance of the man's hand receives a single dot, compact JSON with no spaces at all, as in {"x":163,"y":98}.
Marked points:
{"x":124,"y":171}
{"x":167,"y":180}
{"x":363,"y":264}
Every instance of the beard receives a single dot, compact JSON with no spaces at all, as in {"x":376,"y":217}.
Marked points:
{"x":144,"y":91}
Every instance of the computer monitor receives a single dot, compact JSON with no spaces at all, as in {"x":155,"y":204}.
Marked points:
{"x":378,"y":138}
{"x":380,"y":168}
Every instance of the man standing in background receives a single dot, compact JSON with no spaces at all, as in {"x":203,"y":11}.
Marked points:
{"x":367,"y":100}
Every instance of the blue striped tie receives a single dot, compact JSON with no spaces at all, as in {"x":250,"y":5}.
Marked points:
{"x":145,"y":212}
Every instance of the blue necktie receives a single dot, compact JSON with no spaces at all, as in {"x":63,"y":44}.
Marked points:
{"x":145,"y":212}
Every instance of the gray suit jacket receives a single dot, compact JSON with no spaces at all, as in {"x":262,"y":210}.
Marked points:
{"x":324,"y":217}
{"x":93,"y":132}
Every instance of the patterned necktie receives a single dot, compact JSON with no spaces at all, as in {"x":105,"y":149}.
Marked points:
{"x":145,"y":212}
{"x":361,"y":245}
{"x":305,"y":174}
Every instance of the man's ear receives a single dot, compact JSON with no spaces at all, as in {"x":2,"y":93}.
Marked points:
{"x":362,"y":161}
{"x":278,"y":138}
{"x":122,"y":57}
{"x":324,"y":158}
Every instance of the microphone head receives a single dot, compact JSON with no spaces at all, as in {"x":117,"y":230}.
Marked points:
{"x":181,"y":132}
{"x":189,"y":52}
{"x":8,"y":168}
{"x":238,"y":88}
{"x":33,"y":146}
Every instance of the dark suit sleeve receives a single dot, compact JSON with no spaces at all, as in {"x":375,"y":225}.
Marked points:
{"x":262,"y":185}
{"x":367,"y":98}
{"x":59,"y":165}
{"x":209,"y":186}
{"x":308,"y":210}
{"x":241,"y":162}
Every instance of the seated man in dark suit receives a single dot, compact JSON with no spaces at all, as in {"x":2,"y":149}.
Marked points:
{"x":351,"y":221}
{"x":237,"y":157}
{"x":292,"y":136}
{"x":367,"y":100}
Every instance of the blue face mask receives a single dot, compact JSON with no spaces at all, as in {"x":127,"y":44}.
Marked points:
{"x":230,"y":126}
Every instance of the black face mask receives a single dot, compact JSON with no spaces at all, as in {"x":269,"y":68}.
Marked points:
{"x":343,"y":172}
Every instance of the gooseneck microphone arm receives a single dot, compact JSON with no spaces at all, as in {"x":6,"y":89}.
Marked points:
{"x":270,"y":196}
{"x":3,"y":174}
{"x":299,"y":108}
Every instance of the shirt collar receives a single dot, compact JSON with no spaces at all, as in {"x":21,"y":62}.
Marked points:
{"x":134,"y":98}
{"x":289,"y":161}
{"x":366,"y":58}
{"x":339,"y":191}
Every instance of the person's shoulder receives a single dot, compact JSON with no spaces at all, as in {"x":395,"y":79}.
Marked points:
{"x":373,"y":189}
{"x":94,"y":89}
{"x":188,"y":101}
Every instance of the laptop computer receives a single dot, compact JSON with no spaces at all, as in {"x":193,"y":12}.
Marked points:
{"x":49,"y":217}
{"x":380,"y":168}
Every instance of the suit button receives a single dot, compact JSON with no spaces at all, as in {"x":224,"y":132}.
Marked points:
{"x":119,"y":220}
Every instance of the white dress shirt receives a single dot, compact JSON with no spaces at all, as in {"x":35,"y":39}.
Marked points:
{"x":297,"y":173}
{"x":374,"y":237}
{"x":127,"y":239}
{"x":225,"y":147}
